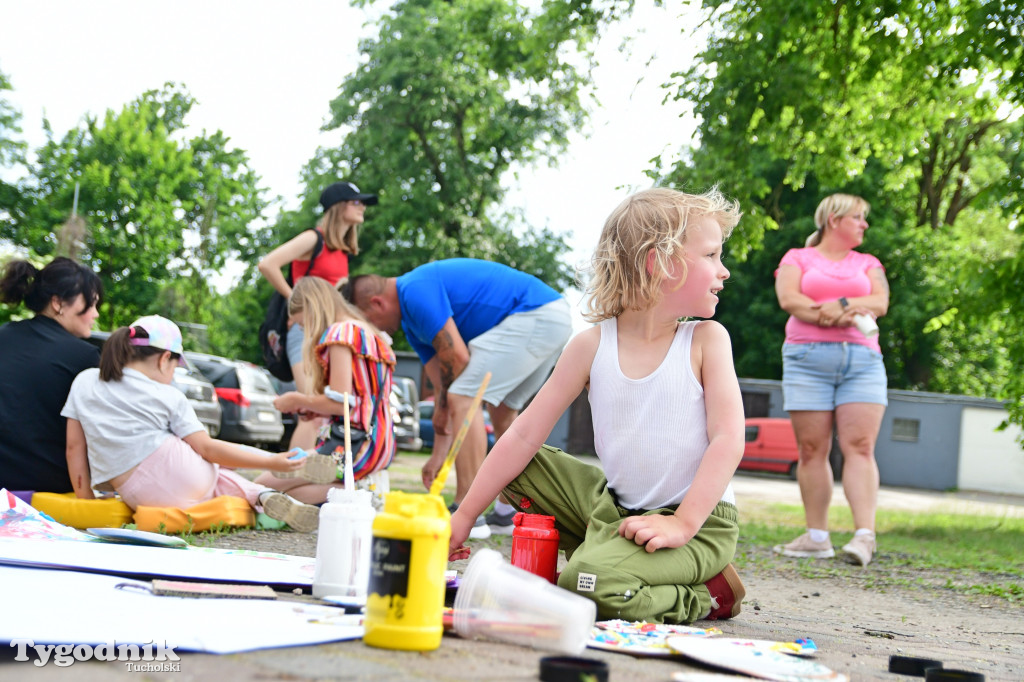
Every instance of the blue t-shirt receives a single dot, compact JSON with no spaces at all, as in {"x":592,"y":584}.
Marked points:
{"x":477,"y":294}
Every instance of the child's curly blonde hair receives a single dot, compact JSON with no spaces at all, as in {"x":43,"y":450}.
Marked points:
{"x":652,"y":221}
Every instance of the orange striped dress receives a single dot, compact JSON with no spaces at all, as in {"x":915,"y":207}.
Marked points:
{"x":373,"y":362}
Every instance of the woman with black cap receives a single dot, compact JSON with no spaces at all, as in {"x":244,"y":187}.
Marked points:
{"x":320,"y":252}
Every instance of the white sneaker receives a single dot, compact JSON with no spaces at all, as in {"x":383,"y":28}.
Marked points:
{"x":860,"y":549}
{"x":480,"y":530}
{"x":304,"y":518}
{"x":805,"y":547}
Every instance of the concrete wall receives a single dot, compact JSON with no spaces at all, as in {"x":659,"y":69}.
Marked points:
{"x":990,"y":460}
{"x":931,"y":461}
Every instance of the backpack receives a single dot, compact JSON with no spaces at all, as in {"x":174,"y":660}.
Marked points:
{"x":274,"y":330}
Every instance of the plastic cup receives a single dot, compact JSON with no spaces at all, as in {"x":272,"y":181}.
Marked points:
{"x":499,"y":601}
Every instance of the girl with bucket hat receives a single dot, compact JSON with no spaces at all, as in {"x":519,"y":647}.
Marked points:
{"x":321,"y":252}
{"x":130,"y":431}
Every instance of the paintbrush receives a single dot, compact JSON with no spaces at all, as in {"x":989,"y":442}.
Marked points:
{"x":442,"y":474}
{"x":350,"y":480}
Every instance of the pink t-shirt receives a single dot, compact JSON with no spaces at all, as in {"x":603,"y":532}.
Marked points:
{"x":824,"y":280}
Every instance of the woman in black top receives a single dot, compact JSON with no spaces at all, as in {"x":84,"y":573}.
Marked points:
{"x":39,"y":358}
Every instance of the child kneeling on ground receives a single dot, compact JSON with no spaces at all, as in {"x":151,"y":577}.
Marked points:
{"x":350,"y":362}
{"x":651,"y":536}
{"x":130,"y":431}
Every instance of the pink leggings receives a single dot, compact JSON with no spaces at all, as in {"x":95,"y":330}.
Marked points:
{"x":175,"y":475}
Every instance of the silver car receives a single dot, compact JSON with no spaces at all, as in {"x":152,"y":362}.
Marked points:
{"x":404,"y":400}
{"x":248,"y":415}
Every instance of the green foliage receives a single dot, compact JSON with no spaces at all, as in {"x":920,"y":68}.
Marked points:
{"x":449,"y":95}
{"x":907,"y":106}
{"x":12,"y":151}
{"x":162,"y":216}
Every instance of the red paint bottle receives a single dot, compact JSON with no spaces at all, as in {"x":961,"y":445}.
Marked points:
{"x":535,"y":544}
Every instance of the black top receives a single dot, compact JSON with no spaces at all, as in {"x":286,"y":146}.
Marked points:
{"x":38,"y":361}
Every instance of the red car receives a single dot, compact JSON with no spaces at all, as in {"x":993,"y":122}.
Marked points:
{"x":770,"y":446}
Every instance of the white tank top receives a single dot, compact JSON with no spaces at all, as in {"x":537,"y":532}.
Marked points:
{"x":651,"y":433}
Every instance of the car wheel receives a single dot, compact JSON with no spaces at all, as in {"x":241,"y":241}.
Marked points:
{"x":792,"y":470}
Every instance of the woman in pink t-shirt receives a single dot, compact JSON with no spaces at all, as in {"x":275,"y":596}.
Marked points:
{"x":832,"y":371}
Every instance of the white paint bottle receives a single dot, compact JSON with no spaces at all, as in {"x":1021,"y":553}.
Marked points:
{"x":343,"y":545}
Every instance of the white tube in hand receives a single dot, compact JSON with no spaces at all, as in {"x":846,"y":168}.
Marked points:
{"x":866,"y":324}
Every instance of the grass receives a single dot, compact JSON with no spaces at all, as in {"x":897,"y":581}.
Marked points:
{"x":964,"y":553}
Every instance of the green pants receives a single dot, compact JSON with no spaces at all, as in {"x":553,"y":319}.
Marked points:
{"x":624,"y":579}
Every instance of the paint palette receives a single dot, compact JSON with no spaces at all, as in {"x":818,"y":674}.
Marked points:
{"x":640,"y":638}
{"x":757,"y":658}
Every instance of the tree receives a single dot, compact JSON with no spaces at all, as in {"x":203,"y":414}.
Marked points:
{"x":11,"y":152}
{"x":162,"y":215}
{"x":910,"y":106}
{"x":449,"y":95}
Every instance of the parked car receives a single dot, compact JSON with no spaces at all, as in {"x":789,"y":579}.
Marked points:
{"x":248,"y":415}
{"x":770,"y":446}
{"x":190,"y":381}
{"x":427,"y":426}
{"x":404,"y":410}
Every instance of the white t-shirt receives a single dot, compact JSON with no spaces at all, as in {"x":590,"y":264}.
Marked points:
{"x":650,"y":433}
{"x":126,"y":421}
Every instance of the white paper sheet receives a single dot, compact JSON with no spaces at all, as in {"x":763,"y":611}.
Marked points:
{"x":69,"y":607}
{"x":197,"y":563}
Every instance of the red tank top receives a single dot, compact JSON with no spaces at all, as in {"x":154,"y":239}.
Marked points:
{"x":329,"y":265}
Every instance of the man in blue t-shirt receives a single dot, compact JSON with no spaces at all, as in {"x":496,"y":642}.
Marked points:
{"x":466,"y":317}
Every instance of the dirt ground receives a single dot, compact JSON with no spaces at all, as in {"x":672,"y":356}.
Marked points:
{"x":857,"y":618}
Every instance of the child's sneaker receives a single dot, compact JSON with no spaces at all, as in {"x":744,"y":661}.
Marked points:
{"x":860,"y":549}
{"x":804,"y":546}
{"x":316,"y":468}
{"x":727,"y":593}
{"x":500,"y":524}
{"x":304,"y":518}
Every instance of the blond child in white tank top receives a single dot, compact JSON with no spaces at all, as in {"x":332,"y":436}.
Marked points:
{"x":651,"y":536}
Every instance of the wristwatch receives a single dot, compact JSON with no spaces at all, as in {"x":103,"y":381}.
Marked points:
{"x":843,"y":302}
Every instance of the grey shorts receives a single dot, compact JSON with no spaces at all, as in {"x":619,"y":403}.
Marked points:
{"x":519,"y":353}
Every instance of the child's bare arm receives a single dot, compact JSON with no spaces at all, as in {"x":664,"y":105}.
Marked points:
{"x":339,"y":381}
{"x":232,"y":456}
{"x":520,"y":443}
{"x":78,"y":461}
{"x":724,"y":407}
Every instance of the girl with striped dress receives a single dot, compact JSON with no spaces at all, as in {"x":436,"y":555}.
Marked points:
{"x":349,"y":361}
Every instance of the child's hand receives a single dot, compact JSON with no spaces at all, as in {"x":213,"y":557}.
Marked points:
{"x":283,"y":461}
{"x":654,"y":531}
{"x":460,"y":532}
{"x":292,"y":401}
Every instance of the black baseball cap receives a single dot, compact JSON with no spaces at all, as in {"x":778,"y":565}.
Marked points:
{"x":344,"y":191}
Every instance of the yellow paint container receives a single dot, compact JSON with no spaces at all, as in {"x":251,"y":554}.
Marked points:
{"x":409,"y":556}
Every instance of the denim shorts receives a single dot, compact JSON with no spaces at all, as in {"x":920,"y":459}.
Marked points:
{"x":820,"y":376}
{"x":293,"y":344}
